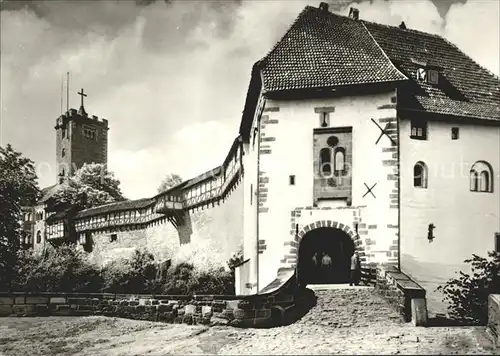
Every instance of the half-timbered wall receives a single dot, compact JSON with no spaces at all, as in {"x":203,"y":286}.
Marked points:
{"x":208,"y":209}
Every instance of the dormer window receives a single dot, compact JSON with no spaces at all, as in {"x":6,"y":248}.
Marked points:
{"x":430,"y":76}
{"x":427,"y":72}
{"x":421,"y":75}
{"x":433,"y":76}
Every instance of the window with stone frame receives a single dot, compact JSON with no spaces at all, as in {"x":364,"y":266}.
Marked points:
{"x":481,"y":177}
{"x":333,"y":163}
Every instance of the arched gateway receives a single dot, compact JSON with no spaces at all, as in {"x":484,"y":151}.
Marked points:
{"x":324,"y":254}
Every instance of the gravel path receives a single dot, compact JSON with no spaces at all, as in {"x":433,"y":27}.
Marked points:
{"x":351,"y":321}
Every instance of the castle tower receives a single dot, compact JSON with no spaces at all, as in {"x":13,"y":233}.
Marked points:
{"x":80,"y":139}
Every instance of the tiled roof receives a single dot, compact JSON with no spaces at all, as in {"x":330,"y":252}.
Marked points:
{"x":199,"y":178}
{"x":48,"y":192}
{"x":114,"y":207}
{"x":465,"y":88}
{"x":322,"y":49}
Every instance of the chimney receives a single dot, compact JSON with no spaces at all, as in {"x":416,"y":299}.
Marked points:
{"x":323,"y":6}
{"x":403,"y":25}
{"x":354,"y":13}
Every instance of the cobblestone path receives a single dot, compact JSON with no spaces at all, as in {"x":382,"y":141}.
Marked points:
{"x":358,"y":321}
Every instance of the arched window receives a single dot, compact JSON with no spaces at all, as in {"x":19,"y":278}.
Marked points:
{"x":473,"y":181}
{"x":325,"y":161}
{"x":481,"y":177}
{"x":420,"y":175}
{"x":63,"y":152}
{"x":339,"y":160}
{"x":484,"y":181}
{"x":38,"y":237}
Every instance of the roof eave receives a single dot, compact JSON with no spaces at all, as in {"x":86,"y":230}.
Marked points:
{"x":252,"y":98}
{"x":335,"y":89}
{"x":442,"y":115}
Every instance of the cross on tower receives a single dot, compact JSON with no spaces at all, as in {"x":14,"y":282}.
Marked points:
{"x":82,"y":94}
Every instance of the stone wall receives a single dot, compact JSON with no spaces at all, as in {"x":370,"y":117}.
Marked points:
{"x":216,"y":228}
{"x":403,"y":293}
{"x":494,"y":316}
{"x":242,"y":311}
{"x":161,"y":239}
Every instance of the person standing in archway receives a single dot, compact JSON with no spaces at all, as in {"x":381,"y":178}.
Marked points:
{"x":355,"y":269}
{"x":326,"y":263}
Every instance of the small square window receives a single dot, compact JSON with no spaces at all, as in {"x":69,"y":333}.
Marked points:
{"x":113,"y":238}
{"x":292,"y":180}
{"x":454,"y":133}
{"x":418,"y":130}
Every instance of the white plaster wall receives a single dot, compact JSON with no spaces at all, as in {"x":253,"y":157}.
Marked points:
{"x":250,"y":204}
{"x":465,"y":221}
{"x":162,"y":240}
{"x":219,"y":228}
{"x":292,"y":154}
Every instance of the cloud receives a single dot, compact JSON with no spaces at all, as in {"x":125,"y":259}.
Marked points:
{"x":169,"y":76}
{"x":192,"y":150}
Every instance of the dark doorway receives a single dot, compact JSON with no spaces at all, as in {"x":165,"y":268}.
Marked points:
{"x":324,"y":257}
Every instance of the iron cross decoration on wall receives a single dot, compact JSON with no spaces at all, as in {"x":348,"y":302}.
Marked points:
{"x":384,"y":132}
{"x":370,"y":190}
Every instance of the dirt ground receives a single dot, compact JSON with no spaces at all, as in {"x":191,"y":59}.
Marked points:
{"x":342,"y":322}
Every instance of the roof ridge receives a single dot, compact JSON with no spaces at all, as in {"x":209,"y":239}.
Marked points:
{"x":382,"y":50}
{"x":435,"y":36}
{"x":402,"y":29}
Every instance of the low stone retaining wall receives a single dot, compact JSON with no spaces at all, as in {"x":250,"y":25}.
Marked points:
{"x":494,"y":316}
{"x":242,"y":311}
{"x":210,"y":310}
{"x":403,"y":293}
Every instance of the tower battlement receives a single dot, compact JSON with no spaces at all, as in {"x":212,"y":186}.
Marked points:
{"x":80,"y":138}
{"x":73,"y":114}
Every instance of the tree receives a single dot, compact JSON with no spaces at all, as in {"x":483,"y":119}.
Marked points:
{"x":18,"y":187}
{"x":92,"y":185}
{"x":170,"y":180}
{"x":468,"y":294}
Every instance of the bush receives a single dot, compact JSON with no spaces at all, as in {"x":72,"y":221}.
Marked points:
{"x":185,"y":279}
{"x":66,"y":269}
{"x":204,"y":255}
{"x":134,"y":275}
{"x":468,"y":295}
{"x":56,"y":270}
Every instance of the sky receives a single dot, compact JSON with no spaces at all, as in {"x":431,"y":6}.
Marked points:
{"x":171,"y":77}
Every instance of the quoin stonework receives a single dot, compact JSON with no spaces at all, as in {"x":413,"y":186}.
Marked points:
{"x":354,"y":136}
